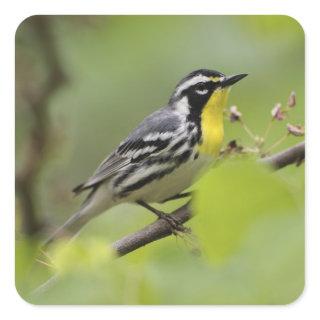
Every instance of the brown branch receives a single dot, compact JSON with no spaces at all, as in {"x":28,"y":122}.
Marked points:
{"x":293,"y":155}
{"x":154,"y":231}
{"x":161,"y":229}
{"x":38,"y":143}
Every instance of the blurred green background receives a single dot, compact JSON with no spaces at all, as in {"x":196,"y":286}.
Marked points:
{"x":112,"y":72}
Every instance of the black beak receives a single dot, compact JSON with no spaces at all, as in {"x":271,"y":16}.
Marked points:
{"x":229,"y":81}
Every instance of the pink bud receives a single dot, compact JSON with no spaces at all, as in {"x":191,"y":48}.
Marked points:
{"x":295,"y":130}
{"x":277,"y":113}
{"x":235,"y":114}
{"x":292,"y":100}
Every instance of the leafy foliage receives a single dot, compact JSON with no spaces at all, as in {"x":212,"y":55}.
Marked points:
{"x":227,"y":210}
{"x":252,"y":252}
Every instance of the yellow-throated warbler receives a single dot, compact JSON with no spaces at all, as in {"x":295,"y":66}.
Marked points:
{"x":164,"y":154}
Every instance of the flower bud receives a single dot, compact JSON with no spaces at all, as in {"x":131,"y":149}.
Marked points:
{"x":235,"y":114}
{"x":292,"y":100}
{"x":277,"y":113}
{"x":295,"y":130}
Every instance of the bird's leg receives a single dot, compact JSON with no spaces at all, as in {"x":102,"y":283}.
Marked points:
{"x":174,"y":223}
{"x":179,"y":196}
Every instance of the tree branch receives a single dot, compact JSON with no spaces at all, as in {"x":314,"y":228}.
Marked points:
{"x":154,"y":231}
{"x":161,"y":229}
{"x":293,"y":155}
{"x":38,"y":143}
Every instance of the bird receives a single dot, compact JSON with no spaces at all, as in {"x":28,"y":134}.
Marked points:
{"x":163,"y":155}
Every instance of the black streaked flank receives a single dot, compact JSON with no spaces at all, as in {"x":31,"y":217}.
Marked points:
{"x":179,"y":144}
{"x":125,"y":175}
{"x":190,"y":127}
{"x":184,"y":157}
{"x":154,"y":176}
{"x":193,"y":140}
{"x":177,"y":161}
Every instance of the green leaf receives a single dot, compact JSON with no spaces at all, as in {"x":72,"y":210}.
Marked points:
{"x":81,"y":255}
{"x":230,"y":199}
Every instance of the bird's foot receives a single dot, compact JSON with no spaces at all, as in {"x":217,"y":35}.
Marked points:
{"x":176,"y":226}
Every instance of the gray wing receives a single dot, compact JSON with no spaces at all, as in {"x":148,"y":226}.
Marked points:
{"x":150,"y":138}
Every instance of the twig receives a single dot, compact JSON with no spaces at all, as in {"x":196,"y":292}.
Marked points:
{"x":277,"y":143}
{"x":40,"y":132}
{"x":45,"y":286}
{"x":150,"y":233}
{"x":293,"y":155}
{"x":247,"y":130}
{"x":160,"y":229}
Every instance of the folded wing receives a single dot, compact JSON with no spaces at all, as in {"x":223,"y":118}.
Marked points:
{"x":151,"y":138}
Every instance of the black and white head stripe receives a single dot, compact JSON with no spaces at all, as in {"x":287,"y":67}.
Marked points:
{"x":195,"y":77}
{"x":190,"y":82}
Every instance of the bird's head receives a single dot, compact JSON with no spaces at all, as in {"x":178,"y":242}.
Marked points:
{"x":201,"y":97}
{"x":202,"y":88}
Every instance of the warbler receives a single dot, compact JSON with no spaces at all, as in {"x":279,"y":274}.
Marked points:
{"x":163,"y":155}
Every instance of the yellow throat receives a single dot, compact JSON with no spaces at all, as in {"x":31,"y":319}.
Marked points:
{"x":212,"y":123}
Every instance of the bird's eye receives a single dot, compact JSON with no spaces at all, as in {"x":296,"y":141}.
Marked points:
{"x":201,"y":88}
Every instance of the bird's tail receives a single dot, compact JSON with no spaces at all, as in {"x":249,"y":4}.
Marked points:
{"x":70,"y":228}
{"x":95,"y":204}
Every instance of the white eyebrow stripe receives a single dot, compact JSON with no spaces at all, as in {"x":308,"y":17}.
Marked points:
{"x":191,"y":82}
